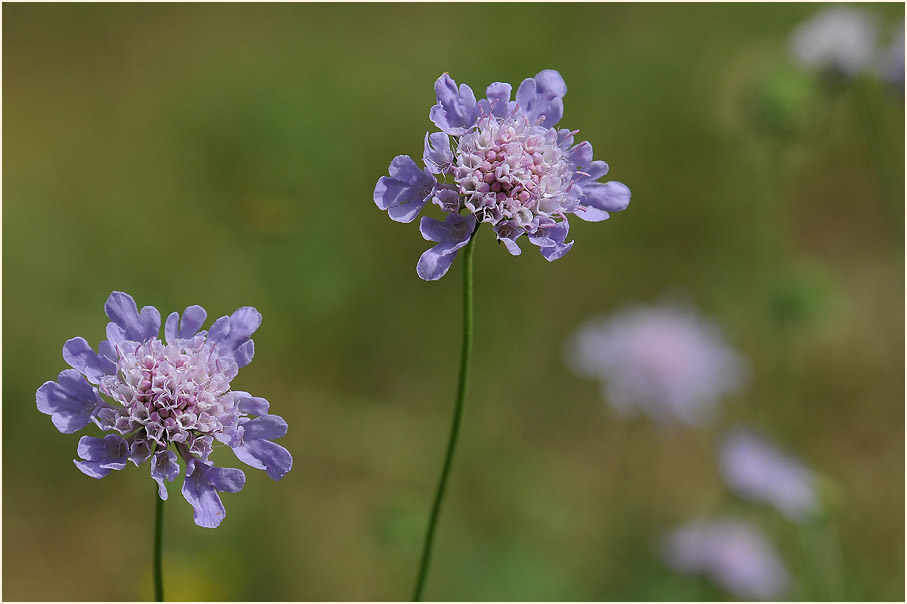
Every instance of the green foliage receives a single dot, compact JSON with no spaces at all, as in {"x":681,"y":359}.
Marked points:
{"x":225,"y":155}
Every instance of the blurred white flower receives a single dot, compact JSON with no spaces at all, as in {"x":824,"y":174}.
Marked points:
{"x":754,"y":470}
{"x":839,"y":40}
{"x":665,"y":361}
{"x":892,"y":61}
{"x":732,"y":554}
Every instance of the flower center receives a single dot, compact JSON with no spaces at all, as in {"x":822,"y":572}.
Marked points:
{"x":174,"y":391}
{"x":508,"y":169}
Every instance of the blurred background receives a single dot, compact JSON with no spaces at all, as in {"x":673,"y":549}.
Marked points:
{"x":225,"y":155}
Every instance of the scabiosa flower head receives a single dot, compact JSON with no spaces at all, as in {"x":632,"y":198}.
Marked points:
{"x":167,"y":397}
{"x":503,"y":162}
{"x":838,"y":41}
{"x":664,"y":361}
{"x":733,"y":554}
{"x":754,"y":470}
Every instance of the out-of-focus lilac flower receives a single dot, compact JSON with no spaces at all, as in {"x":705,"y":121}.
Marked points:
{"x":504,"y":162}
{"x":163,"y":393}
{"x":892,"y":63}
{"x":732,"y":554}
{"x":753,"y":469}
{"x":664,"y":361}
{"x":839,"y":41}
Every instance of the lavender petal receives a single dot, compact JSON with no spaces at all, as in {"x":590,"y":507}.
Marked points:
{"x":543,"y":96}
{"x":79,"y":355}
{"x":164,"y":466}
{"x":132,"y":324}
{"x":70,"y":401}
{"x":455,"y":111}
{"x":101,"y":455}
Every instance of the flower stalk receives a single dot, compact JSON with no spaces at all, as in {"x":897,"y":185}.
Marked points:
{"x":876,"y":147}
{"x":462,"y":387}
{"x":157,"y":570}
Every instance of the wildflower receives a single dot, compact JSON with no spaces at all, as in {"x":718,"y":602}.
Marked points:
{"x":162,"y":393}
{"x":839,"y":41}
{"x":664,"y":361}
{"x":733,"y":554}
{"x":503,"y":162}
{"x":754,"y":470}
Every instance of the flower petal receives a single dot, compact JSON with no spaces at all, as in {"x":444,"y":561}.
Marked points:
{"x":406,"y":191}
{"x":507,"y":233}
{"x":554,"y":252}
{"x":231,"y":334}
{"x":447,"y":199}
{"x":542,"y":96}
{"x":226,"y":480}
{"x":433,"y":229}
{"x":407,"y":212}
{"x":456,"y":230}
{"x":498,"y":101}
{"x":550,"y":233}
{"x":435,"y":262}
{"x":405,"y":170}
{"x":581,"y":154}
{"x":101,"y":455}
{"x":551,"y":237}
{"x":70,"y":401}
{"x":253,"y":404}
{"x":139,"y":450}
{"x":133,"y":325}
{"x":265,"y":455}
{"x":164,"y":466}
{"x":267,"y":427}
{"x":437,"y":154}
{"x":451,"y":235}
{"x":80,"y":356}
{"x":244,"y":353}
{"x":595,"y":170}
{"x":498,"y":94}
{"x":193,"y":318}
{"x":200,"y":488}
{"x":611,"y":196}
{"x":590,"y":214}
{"x":200,"y":446}
{"x":455,"y":111}
{"x":565,"y":138}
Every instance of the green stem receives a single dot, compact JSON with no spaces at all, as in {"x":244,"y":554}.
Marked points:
{"x":158,"y":538}
{"x":458,"y":415}
{"x":891,"y":205}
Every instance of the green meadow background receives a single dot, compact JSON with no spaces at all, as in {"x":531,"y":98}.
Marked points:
{"x":225,"y":155}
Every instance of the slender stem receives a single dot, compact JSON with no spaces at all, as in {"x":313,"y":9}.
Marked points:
{"x":891,"y":205}
{"x":458,"y":414}
{"x":158,"y":537}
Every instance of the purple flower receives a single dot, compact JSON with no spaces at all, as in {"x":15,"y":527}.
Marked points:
{"x":754,"y":470}
{"x":733,"y":554}
{"x":162,"y":393}
{"x":500,"y":161}
{"x":839,"y":41}
{"x":664,"y":361}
